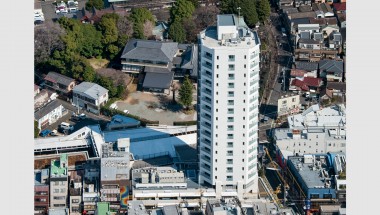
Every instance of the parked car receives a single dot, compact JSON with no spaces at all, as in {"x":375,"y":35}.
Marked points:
{"x":126,"y":111}
{"x":45,"y":133}
{"x":82,"y":116}
{"x":66,"y":126}
{"x":75,"y":118}
{"x":54,"y":133}
{"x":38,"y":22}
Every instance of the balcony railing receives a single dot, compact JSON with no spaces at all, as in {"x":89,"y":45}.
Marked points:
{"x":207,"y":65}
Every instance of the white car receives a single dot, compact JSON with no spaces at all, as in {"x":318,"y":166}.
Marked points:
{"x":82,"y":116}
{"x":126,"y":111}
{"x":67,"y":126}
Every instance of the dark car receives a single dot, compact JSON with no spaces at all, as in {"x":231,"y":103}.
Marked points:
{"x":38,"y":22}
{"x":45,"y":133}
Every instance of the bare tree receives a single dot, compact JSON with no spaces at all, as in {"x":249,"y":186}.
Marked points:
{"x":125,"y":26}
{"x":148,"y":27}
{"x":47,"y":39}
{"x":205,"y":16}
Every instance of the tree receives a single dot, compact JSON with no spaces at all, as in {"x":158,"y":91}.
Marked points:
{"x":186,"y":93}
{"x":190,"y":30}
{"x":181,"y":9}
{"x":177,"y":32}
{"x":205,"y":16}
{"x":263,"y":10}
{"x":98,"y":4}
{"x":249,"y":12}
{"x":36,"y":129}
{"x":139,"y":16}
{"x":195,"y":3}
{"x":148,"y":28}
{"x":125,"y":27}
{"x":47,"y":40}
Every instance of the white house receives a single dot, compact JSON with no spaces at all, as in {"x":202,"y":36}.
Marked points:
{"x":49,"y":114}
{"x":90,"y":96}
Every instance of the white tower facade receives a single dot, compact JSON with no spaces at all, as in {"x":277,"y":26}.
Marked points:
{"x":228,"y":107}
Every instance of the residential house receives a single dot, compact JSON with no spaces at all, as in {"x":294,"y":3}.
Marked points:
{"x":322,"y":10}
{"x":339,"y":7}
{"x":298,"y":3}
{"x":307,"y":66}
{"x":75,"y":191}
{"x":306,"y":84}
{"x":335,"y":40}
{"x":60,"y":84}
{"x":309,"y":44}
{"x":322,"y":22}
{"x":43,"y":97}
{"x":288,"y":105}
{"x":90,"y":96}
{"x":332,"y":70}
{"x":59,"y":182}
{"x":49,"y":113}
{"x":41,"y":191}
{"x":328,"y":29}
{"x":305,"y":8}
{"x":299,"y":73}
{"x":160,"y":31}
{"x":334,"y":90}
{"x":158,"y":63}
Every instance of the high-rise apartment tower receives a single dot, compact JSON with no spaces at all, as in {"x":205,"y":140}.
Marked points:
{"x":228,"y":106}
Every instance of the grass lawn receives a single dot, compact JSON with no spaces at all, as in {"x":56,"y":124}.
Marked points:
{"x":98,"y":63}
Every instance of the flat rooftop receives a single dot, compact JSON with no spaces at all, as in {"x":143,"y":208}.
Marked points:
{"x":226,"y":20}
{"x":311,"y":175}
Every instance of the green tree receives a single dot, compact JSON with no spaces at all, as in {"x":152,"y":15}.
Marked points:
{"x":186,"y":93}
{"x":139,"y":16}
{"x":248,"y":11}
{"x":195,"y":3}
{"x":177,"y":32}
{"x":263,"y":10}
{"x":182,"y":9}
{"x":36,"y":129}
{"x":98,"y":4}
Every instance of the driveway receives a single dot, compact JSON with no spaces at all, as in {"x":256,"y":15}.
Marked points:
{"x":155,"y":107}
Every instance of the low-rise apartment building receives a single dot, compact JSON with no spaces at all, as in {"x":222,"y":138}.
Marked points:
{"x":41,"y":191}
{"x":59,"y":182}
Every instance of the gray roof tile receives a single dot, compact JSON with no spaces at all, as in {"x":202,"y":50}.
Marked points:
{"x":90,"y":89}
{"x":150,"y":50}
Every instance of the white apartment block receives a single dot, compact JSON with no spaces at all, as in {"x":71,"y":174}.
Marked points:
{"x":288,"y":105}
{"x":228,"y":106}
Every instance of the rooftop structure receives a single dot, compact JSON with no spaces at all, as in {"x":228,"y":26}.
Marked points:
{"x":115,"y":161}
{"x":59,"y":167}
{"x":136,"y":208}
{"x":313,"y":173}
{"x":314,"y":116}
{"x":58,"y":211}
{"x":103,"y":208}
{"x":222,"y":207}
{"x":119,"y":122}
{"x":157,"y":175}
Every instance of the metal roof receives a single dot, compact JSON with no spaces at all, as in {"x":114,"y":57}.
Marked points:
{"x":90,"y":89}
{"x":308,"y":66}
{"x":58,"y":78}
{"x":331,"y":66}
{"x":226,"y":20}
{"x":47,"y":109}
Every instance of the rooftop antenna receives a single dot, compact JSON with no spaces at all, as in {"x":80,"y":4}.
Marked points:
{"x":239,"y":8}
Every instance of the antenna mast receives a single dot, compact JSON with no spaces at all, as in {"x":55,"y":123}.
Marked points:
{"x":239,"y":8}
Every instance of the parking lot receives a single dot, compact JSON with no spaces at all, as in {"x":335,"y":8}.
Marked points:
{"x":90,"y":119}
{"x":155,"y":107}
{"x":48,"y":8}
